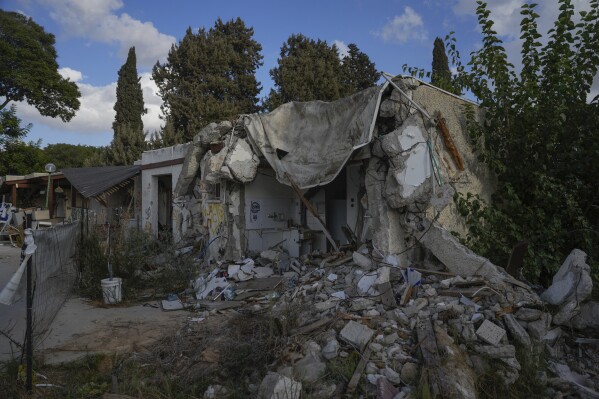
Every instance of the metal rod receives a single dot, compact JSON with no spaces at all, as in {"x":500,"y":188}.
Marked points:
{"x":29,"y":331}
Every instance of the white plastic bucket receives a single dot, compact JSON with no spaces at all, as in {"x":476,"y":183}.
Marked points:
{"x":112,"y":290}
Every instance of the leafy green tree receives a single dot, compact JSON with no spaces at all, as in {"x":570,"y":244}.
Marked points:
{"x":21,"y":158}
{"x":358,"y":71}
{"x":539,"y":136}
{"x":10,"y":126}
{"x":307,"y":70}
{"x":29,"y":71}
{"x":209,"y":76}
{"x":129,"y":138}
{"x":72,"y":156}
{"x":441,"y":75}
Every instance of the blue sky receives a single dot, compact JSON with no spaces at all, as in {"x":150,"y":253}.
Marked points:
{"x":93,"y":37}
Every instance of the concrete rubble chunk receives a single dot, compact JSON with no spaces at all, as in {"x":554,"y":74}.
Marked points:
{"x":383,"y":286}
{"x":331,"y":349}
{"x":490,"y":332}
{"x":212,"y":132}
{"x":527,"y":314}
{"x":409,"y":373}
{"x":571,"y":282}
{"x":538,"y":328}
{"x":242,"y":162}
{"x":516,"y":330}
{"x":457,"y":258}
{"x":588,"y":317}
{"x":356,"y":334}
{"x":277,"y":386}
{"x":496,"y":352}
{"x":309,"y":369}
{"x":362,"y":261}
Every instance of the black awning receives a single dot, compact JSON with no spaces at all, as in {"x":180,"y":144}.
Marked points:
{"x":91,"y":182}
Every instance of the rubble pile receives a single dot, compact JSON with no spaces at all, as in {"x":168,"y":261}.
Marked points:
{"x":410,"y":327}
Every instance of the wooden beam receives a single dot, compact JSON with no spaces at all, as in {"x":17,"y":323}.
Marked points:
{"x":14,"y":195}
{"x":313,"y":211}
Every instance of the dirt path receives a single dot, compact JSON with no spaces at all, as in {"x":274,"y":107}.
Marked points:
{"x":82,"y":328}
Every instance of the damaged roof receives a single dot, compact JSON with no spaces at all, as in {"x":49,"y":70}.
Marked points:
{"x":91,"y":182}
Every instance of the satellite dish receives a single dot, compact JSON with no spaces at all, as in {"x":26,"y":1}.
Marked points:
{"x":50,"y":167}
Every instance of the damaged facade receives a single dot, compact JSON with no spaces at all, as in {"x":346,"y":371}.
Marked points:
{"x":373,"y":167}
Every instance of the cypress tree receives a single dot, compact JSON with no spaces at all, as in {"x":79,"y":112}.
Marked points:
{"x":129,"y":139}
{"x":441,"y":76}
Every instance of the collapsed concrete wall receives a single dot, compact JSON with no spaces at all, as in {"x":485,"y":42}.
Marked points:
{"x":406,"y":170}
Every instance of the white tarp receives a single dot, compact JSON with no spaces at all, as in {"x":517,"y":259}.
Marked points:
{"x":312,"y":141}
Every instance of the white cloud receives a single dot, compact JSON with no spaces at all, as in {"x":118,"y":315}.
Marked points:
{"x":505,"y":14}
{"x":96,"y":112}
{"x":405,"y":27}
{"x":342,"y":47}
{"x":98,"y":20}
{"x":69,"y":73}
{"x":152,"y":102}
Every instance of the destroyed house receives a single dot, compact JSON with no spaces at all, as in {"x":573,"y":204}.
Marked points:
{"x":315,"y":176}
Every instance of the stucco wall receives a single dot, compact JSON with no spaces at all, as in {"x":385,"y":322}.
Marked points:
{"x":149,"y":184}
{"x":476,"y":177}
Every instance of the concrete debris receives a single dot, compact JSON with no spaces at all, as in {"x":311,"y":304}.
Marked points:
{"x":277,"y":386}
{"x":447,"y":332}
{"x":588,"y":317}
{"x":356,"y":334}
{"x":242,"y":162}
{"x":490,"y":332}
{"x":572,"y":280}
{"x":516,"y":330}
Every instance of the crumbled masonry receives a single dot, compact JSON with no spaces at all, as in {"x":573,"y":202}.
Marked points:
{"x":390,"y":289}
{"x":451,"y":331}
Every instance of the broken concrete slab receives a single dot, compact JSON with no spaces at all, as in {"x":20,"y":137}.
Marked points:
{"x":277,"y":386}
{"x":516,"y":330}
{"x":212,"y":132}
{"x":571,"y":282}
{"x":490,"y":332}
{"x":496,"y":352}
{"x":457,"y":258}
{"x":356,"y":334}
{"x":242,"y":162}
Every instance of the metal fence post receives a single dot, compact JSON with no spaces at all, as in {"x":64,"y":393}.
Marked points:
{"x":29,"y":331}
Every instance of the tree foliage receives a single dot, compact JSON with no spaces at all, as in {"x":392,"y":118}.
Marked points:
{"x":441,"y":75}
{"x":310,"y":70}
{"x":10,"y":126}
{"x":129,"y":138}
{"x":358,"y":71}
{"x":539,"y":136}
{"x":73,"y":156}
{"x":209,"y":76}
{"x":29,"y":71}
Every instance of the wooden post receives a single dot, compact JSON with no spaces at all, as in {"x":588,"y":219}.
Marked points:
{"x":14,"y":195}
{"x":51,"y":197}
{"x":313,"y":211}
